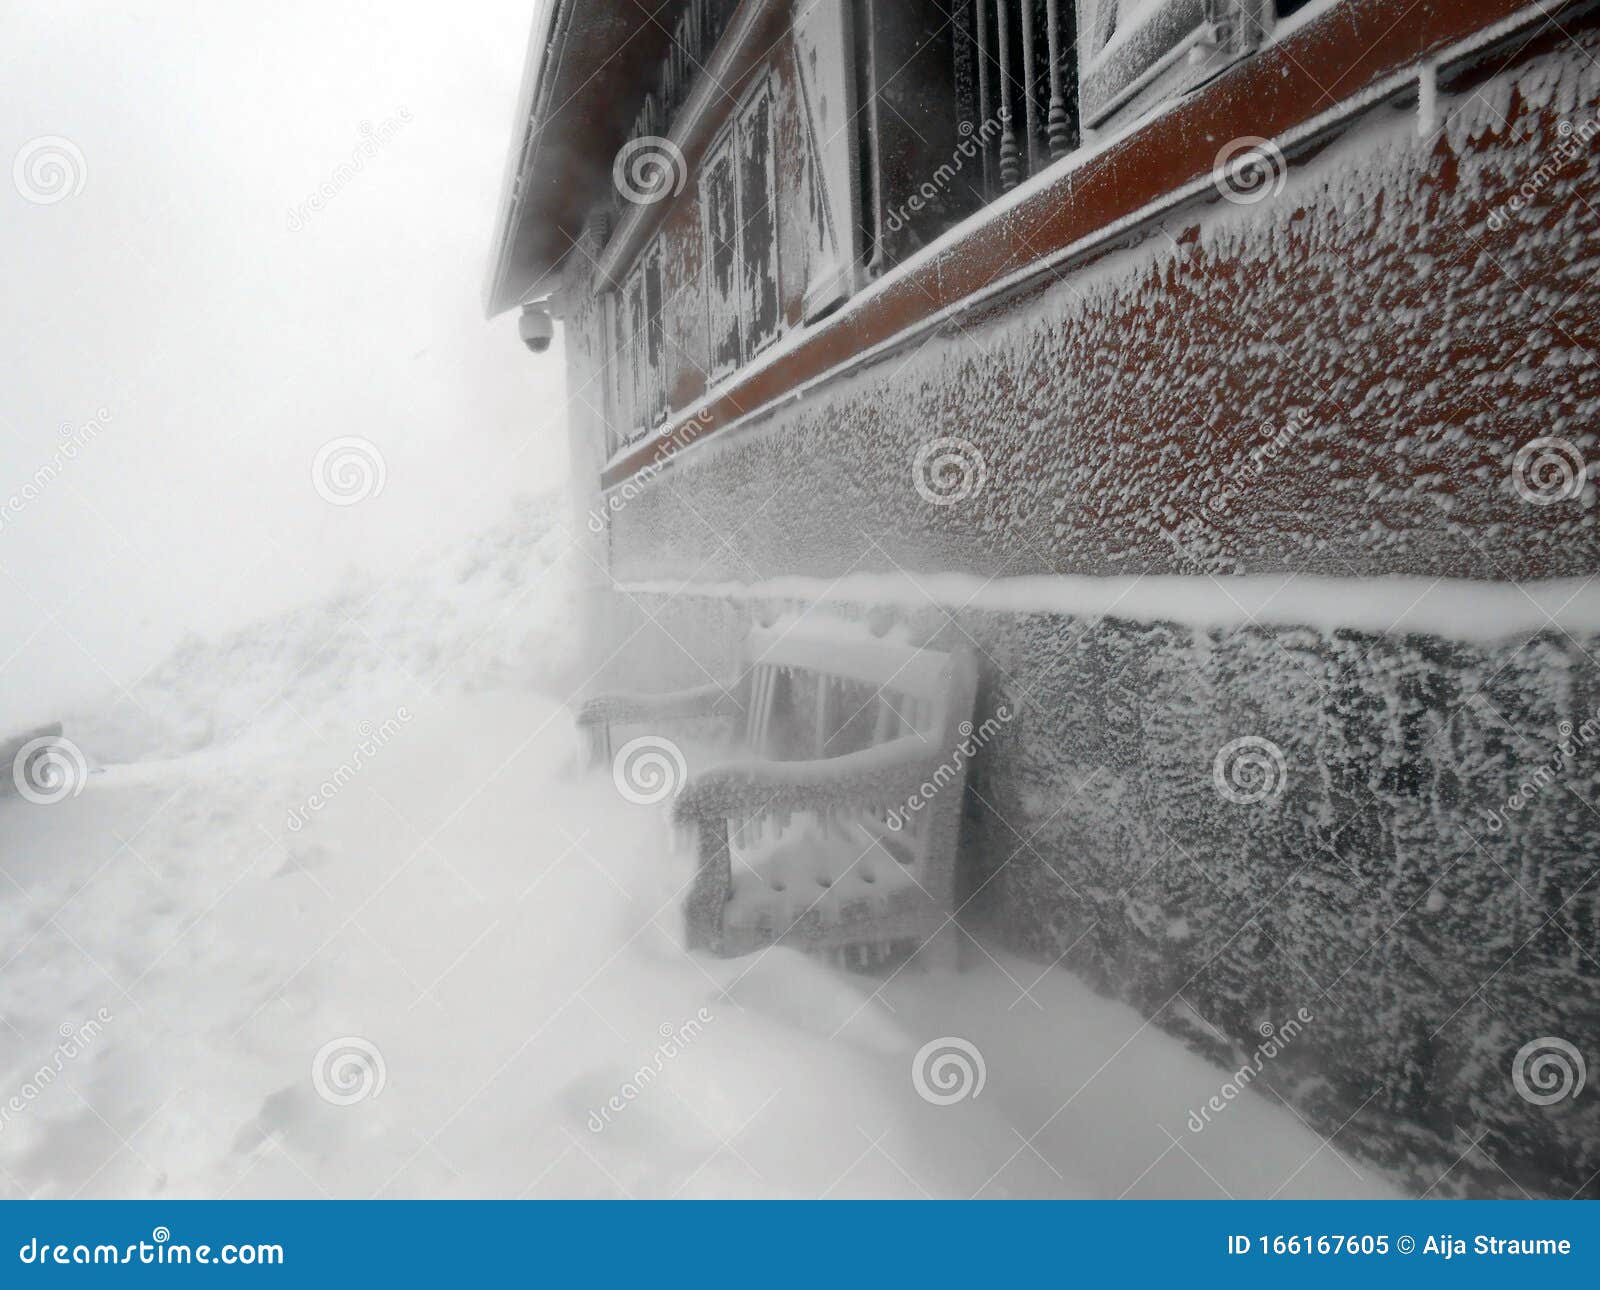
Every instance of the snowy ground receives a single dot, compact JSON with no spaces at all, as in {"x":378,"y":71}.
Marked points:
{"x":499,"y":929}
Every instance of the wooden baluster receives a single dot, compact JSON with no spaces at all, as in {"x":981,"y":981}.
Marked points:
{"x":1030,"y":89}
{"x":1010,"y":161}
{"x":1058,"y":124}
{"x":985,"y":98}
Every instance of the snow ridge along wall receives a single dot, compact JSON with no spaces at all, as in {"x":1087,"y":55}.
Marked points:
{"x":1334,"y":380}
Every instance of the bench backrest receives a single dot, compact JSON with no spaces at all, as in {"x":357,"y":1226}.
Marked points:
{"x":845,"y":689}
{"x":853,"y":680}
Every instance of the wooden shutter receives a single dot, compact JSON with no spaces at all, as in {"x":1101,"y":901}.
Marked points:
{"x":638,"y":367}
{"x":825,"y":51}
{"x":719,"y":213}
{"x":758,"y":229}
{"x":654,"y":339}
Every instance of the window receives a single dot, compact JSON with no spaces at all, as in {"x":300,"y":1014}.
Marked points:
{"x":738,"y":204}
{"x":758,"y":228}
{"x":824,"y":43}
{"x":638,"y":362}
{"x":919,"y":179}
{"x":1136,"y":53}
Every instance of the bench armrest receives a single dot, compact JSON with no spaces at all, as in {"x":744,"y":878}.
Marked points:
{"x":703,"y":701}
{"x":878,"y":776}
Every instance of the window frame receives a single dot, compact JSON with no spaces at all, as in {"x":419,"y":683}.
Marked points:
{"x":729,"y":145}
{"x":639,"y":383}
{"x":1126,"y":72}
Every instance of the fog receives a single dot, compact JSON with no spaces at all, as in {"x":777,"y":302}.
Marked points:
{"x":184,"y":330}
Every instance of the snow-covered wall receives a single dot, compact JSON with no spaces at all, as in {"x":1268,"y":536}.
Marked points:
{"x":1335,"y":380}
{"x":1419,"y":874}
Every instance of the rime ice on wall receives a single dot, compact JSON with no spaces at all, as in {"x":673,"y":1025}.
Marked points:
{"x":1395,"y":324}
{"x":1403,"y":885}
{"x":1381,"y":338}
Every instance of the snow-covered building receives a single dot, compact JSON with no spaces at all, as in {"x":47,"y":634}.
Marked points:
{"x":1223,"y":373}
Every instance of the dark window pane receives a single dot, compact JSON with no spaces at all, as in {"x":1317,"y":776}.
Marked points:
{"x":718,"y":201}
{"x":758,"y":240}
{"x":655,"y":357}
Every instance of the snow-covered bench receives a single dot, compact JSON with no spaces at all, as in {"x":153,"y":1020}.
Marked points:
{"x":834,"y":826}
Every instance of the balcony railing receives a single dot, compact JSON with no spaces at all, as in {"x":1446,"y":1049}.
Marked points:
{"x":1024,"y":76}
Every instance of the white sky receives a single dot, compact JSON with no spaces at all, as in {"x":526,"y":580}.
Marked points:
{"x":227,"y":347}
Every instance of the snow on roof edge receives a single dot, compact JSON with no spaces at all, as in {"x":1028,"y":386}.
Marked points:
{"x":540,"y":36}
